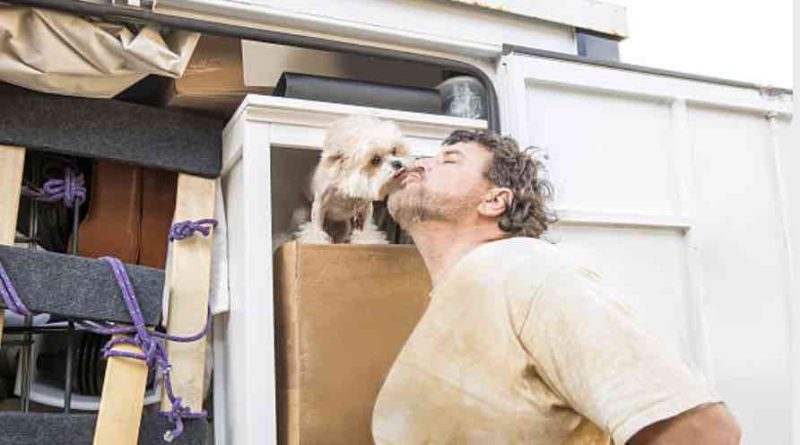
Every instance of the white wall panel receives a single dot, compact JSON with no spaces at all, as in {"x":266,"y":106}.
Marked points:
{"x":670,"y":188}
{"x":744,"y":269}
{"x":647,"y":267}
{"x":619,"y":144}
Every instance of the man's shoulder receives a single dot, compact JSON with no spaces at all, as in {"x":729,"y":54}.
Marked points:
{"x":523,"y":267}
{"x":519,"y":265}
{"x":520,"y":253}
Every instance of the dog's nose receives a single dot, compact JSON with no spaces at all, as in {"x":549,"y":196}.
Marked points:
{"x":397,"y":165}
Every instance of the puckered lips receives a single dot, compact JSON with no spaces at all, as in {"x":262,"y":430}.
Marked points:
{"x":405,"y":174}
{"x":400,"y":178}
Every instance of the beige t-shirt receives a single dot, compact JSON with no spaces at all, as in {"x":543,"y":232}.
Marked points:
{"x":519,"y":345}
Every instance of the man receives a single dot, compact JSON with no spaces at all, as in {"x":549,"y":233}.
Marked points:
{"x":518,"y":345}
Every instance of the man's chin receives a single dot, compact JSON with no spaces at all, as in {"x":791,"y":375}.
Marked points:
{"x":393,"y":196}
{"x":403,"y":204}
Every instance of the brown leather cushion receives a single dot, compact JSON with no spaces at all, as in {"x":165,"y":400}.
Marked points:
{"x":158,"y":206}
{"x":112,"y":225}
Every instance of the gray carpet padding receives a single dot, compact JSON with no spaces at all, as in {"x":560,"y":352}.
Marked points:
{"x":18,"y":428}
{"x":166,"y":139}
{"x":77,"y":287}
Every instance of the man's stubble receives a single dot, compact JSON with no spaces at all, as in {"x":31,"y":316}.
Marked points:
{"x":414,"y":204}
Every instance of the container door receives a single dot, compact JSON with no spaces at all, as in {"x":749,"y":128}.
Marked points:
{"x":669,"y":186}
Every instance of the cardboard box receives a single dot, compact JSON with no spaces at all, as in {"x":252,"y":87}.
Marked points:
{"x":344,"y":312}
{"x":214,"y":79}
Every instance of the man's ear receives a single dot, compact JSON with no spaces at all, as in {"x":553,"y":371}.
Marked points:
{"x":496,"y":202}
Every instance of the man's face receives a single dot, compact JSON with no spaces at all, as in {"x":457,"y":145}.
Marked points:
{"x":447,"y":187}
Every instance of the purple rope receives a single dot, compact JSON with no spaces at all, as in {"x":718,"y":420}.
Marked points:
{"x":185,"y":229}
{"x":154,"y":352}
{"x":70,"y":190}
{"x":10,"y":296}
{"x":109,"y":329}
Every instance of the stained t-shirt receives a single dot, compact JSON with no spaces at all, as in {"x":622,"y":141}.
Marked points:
{"x":521,"y":345}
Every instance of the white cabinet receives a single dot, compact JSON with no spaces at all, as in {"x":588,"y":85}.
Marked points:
{"x":264,"y":132}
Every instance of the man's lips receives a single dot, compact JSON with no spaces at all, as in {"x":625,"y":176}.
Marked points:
{"x":409,"y":173}
{"x":400,"y":173}
{"x":401,"y":178}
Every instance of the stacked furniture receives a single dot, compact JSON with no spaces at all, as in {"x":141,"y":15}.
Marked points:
{"x":85,"y":289}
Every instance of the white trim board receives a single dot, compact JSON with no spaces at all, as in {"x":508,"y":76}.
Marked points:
{"x":594,"y":15}
{"x":431,"y":26}
{"x":297,"y":123}
{"x":540,"y":71}
{"x":591,"y":218}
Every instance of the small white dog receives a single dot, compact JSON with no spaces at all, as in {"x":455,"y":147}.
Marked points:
{"x":363,"y":157}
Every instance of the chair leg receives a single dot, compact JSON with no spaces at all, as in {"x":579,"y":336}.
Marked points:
{"x":189,"y":280}
{"x":12,"y":164}
{"x":120,"y":413}
{"x":189,"y":283}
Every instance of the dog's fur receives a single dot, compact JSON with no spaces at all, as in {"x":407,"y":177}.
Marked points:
{"x":362,"y":158}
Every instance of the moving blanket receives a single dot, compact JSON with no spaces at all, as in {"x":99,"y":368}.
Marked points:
{"x":58,"y":53}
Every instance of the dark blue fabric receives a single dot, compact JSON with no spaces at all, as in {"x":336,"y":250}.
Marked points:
{"x":78,"y":287}
{"x":18,"y":428}
{"x":166,"y":139}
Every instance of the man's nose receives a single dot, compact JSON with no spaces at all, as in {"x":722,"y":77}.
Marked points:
{"x":424,"y":162}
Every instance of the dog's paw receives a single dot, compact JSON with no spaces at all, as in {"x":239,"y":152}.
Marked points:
{"x":310,"y":234}
{"x":369,"y":235}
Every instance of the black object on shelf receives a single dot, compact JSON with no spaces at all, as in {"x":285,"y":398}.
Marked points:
{"x":88,"y":366}
{"x":356,"y":92}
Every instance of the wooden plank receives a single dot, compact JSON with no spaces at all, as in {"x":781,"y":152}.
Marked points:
{"x":120,"y":413}
{"x":123,"y":390}
{"x":189,"y":283}
{"x":12,"y":164}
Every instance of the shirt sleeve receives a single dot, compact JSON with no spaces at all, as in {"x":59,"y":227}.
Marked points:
{"x":601,"y":361}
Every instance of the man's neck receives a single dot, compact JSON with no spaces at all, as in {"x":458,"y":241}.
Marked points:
{"x":442,"y":245}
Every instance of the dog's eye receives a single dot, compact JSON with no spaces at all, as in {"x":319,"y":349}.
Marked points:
{"x":376,"y":160}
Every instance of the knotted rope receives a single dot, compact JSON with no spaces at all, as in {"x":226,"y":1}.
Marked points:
{"x":154,"y":352}
{"x":184,"y":229}
{"x":70,"y":190}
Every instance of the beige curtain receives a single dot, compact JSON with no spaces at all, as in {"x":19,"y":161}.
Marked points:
{"x":60,"y":53}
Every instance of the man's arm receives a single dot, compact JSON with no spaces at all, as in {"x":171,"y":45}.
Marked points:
{"x":710,"y":424}
{"x":607,"y":367}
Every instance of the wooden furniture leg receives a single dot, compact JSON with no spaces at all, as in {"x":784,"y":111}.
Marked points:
{"x":12,"y":164}
{"x":189,"y":283}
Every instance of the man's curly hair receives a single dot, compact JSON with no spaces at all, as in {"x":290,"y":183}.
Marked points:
{"x":519,"y":171}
